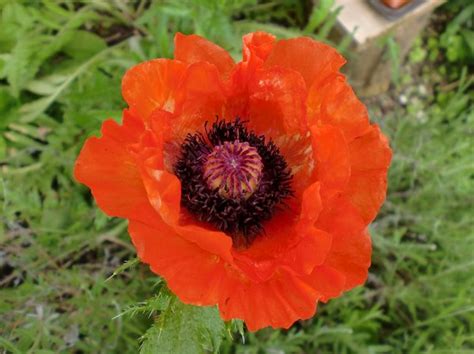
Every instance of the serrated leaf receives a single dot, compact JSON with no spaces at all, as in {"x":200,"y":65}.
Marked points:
{"x":22,"y":140}
{"x":23,"y":63}
{"x":29,"y":111}
{"x":46,"y":85}
{"x":185,"y":329}
{"x":159,"y":302}
{"x":128,"y":264}
{"x":235,"y":327}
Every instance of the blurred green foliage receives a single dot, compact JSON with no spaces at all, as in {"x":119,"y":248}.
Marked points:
{"x":61,"y":64}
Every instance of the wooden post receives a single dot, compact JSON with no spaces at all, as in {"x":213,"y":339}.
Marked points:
{"x":368,"y":66}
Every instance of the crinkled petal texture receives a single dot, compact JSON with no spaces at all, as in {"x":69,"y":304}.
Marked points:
{"x":292,"y":92}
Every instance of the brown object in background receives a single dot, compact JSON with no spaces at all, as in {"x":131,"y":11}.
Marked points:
{"x":395,"y":4}
{"x":369,"y":67}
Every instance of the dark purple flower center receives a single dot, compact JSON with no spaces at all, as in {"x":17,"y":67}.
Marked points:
{"x":232,"y":179}
{"x":233,"y":169}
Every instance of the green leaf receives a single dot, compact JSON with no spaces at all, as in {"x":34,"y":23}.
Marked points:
{"x":3,"y":148}
{"x":320,"y":13}
{"x":84,"y":44}
{"x":8,"y":107}
{"x":468,"y":37}
{"x":185,"y":329}
{"x":417,"y":55}
{"x":29,"y":111}
{"x":128,"y":264}
{"x":24,"y":62}
{"x":6,"y":344}
{"x":45,"y":86}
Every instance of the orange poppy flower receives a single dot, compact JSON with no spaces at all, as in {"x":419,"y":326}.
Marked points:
{"x":248,"y":185}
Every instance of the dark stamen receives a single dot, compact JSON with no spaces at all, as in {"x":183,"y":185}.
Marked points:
{"x":232,"y":179}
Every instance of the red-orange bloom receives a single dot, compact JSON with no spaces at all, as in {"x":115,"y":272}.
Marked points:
{"x":248,"y":185}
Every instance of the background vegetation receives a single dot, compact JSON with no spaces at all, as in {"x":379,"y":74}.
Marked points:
{"x":61,"y":63}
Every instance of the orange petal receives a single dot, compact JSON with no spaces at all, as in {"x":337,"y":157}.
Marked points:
{"x":238,"y":102}
{"x":153,"y":85}
{"x":213,"y":241}
{"x":370,"y":157}
{"x":290,"y":240}
{"x":201,"y":278}
{"x":313,"y":247}
{"x":315,"y":61}
{"x":260,"y":261}
{"x":350,"y":255}
{"x":370,"y":151}
{"x":297,"y":152}
{"x":277,"y":102}
{"x":310,"y":252}
{"x":204,"y":98}
{"x":192,"y":49}
{"x":108,"y":168}
{"x":278,"y":302}
{"x":163,"y":187}
{"x":256,"y":48}
{"x":339,"y":216}
{"x":311,"y":204}
{"x":331,"y":155}
{"x":334,"y":102}
{"x":164,"y":192}
{"x":327,"y":281}
{"x":191,"y":273}
{"x":350,"y":252}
